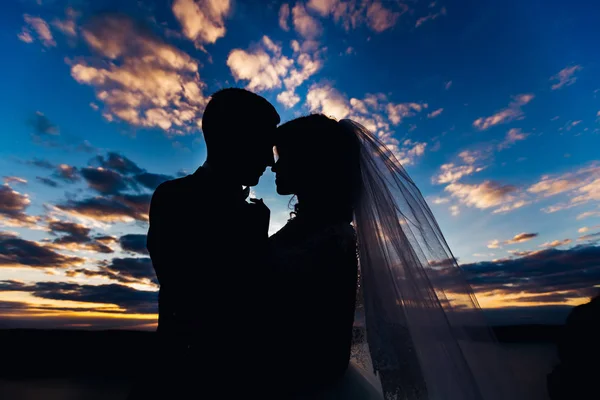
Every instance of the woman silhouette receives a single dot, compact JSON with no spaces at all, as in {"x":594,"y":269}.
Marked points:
{"x":426,"y":336}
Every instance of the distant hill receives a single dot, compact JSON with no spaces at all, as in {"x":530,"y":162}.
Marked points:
{"x":31,"y":353}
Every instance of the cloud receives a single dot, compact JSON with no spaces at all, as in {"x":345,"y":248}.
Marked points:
{"x":123,"y":270}
{"x":133,"y":269}
{"x":512,"y":112}
{"x":104,"y":181}
{"x":572,"y":272}
{"x":14,"y":179}
{"x":380,"y":18}
{"x":284,"y":16}
{"x":288,"y":99}
{"x":565,"y":77}
{"x":440,"y":200}
{"x":67,"y":173}
{"x":494,"y":244}
{"x":408,"y":152}
{"x":12,"y":209}
{"x":119,"y":163}
{"x":307,"y":26}
{"x":42,"y":125}
{"x":485,"y":195}
{"x":323,"y":7}
{"x":134,"y":243}
{"x":38,"y":162}
{"x":512,"y":136}
{"x":63,"y":172}
{"x":587,"y":228}
{"x":25,"y":36}
{"x":592,"y":237}
{"x":40,"y":27}
{"x":122,"y":208}
{"x":556,"y":243}
{"x":454,"y":210}
{"x":129,"y":299}
{"x":430,"y":17}
{"x":371,"y":112}
{"x":151,"y":181}
{"x":588,"y":214}
{"x":202,"y":20}
{"x":521,"y":237}
{"x":263,"y":70}
{"x":140,"y":79}
{"x":397,"y":112}
{"x":328,"y":101}
{"x":353,"y":14}
{"x":452,"y":173}
{"x":435,"y":113}
{"x":582,"y":186}
{"x":115,"y":173}
{"x":15,"y":251}
{"x":47,"y":181}
{"x":67,"y":26}
{"x":74,"y":237}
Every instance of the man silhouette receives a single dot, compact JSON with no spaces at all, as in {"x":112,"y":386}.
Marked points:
{"x":205,"y":242}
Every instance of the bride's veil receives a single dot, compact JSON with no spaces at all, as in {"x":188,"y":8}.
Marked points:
{"x":427,"y":337}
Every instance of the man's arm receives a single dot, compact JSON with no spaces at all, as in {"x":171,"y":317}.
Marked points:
{"x":154,"y":244}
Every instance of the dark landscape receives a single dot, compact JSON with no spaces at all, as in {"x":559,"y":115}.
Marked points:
{"x":32,"y":353}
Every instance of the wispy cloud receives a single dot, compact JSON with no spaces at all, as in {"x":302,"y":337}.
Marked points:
{"x":494,"y":244}
{"x":40,"y":27}
{"x":588,"y":214}
{"x":375,"y":112}
{"x":512,"y":112}
{"x":284,"y":16}
{"x":556,"y":243}
{"x":68,"y":25}
{"x":435,"y":113}
{"x":430,"y":17}
{"x":565,"y":77}
{"x":488,"y":194}
{"x":512,"y":136}
{"x":582,"y":186}
{"x":377,"y":15}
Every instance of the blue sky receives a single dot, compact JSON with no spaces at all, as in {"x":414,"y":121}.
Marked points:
{"x":494,"y":109}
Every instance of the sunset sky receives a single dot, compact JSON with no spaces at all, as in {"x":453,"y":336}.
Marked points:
{"x":492,"y":107}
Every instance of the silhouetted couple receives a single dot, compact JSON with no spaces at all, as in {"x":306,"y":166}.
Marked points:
{"x":245,"y":315}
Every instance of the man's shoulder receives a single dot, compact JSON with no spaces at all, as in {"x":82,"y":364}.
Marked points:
{"x":179,"y":185}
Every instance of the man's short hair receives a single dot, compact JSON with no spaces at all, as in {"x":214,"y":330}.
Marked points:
{"x":230,"y":112}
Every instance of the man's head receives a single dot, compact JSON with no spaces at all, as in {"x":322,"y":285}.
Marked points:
{"x":238,"y":128}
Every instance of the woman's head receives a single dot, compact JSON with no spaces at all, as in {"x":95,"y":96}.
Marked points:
{"x":318,"y":160}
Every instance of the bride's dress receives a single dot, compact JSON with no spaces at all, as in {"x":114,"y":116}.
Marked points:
{"x":315,"y":264}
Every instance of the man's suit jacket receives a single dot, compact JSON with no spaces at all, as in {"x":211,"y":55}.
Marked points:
{"x":206,"y":254}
